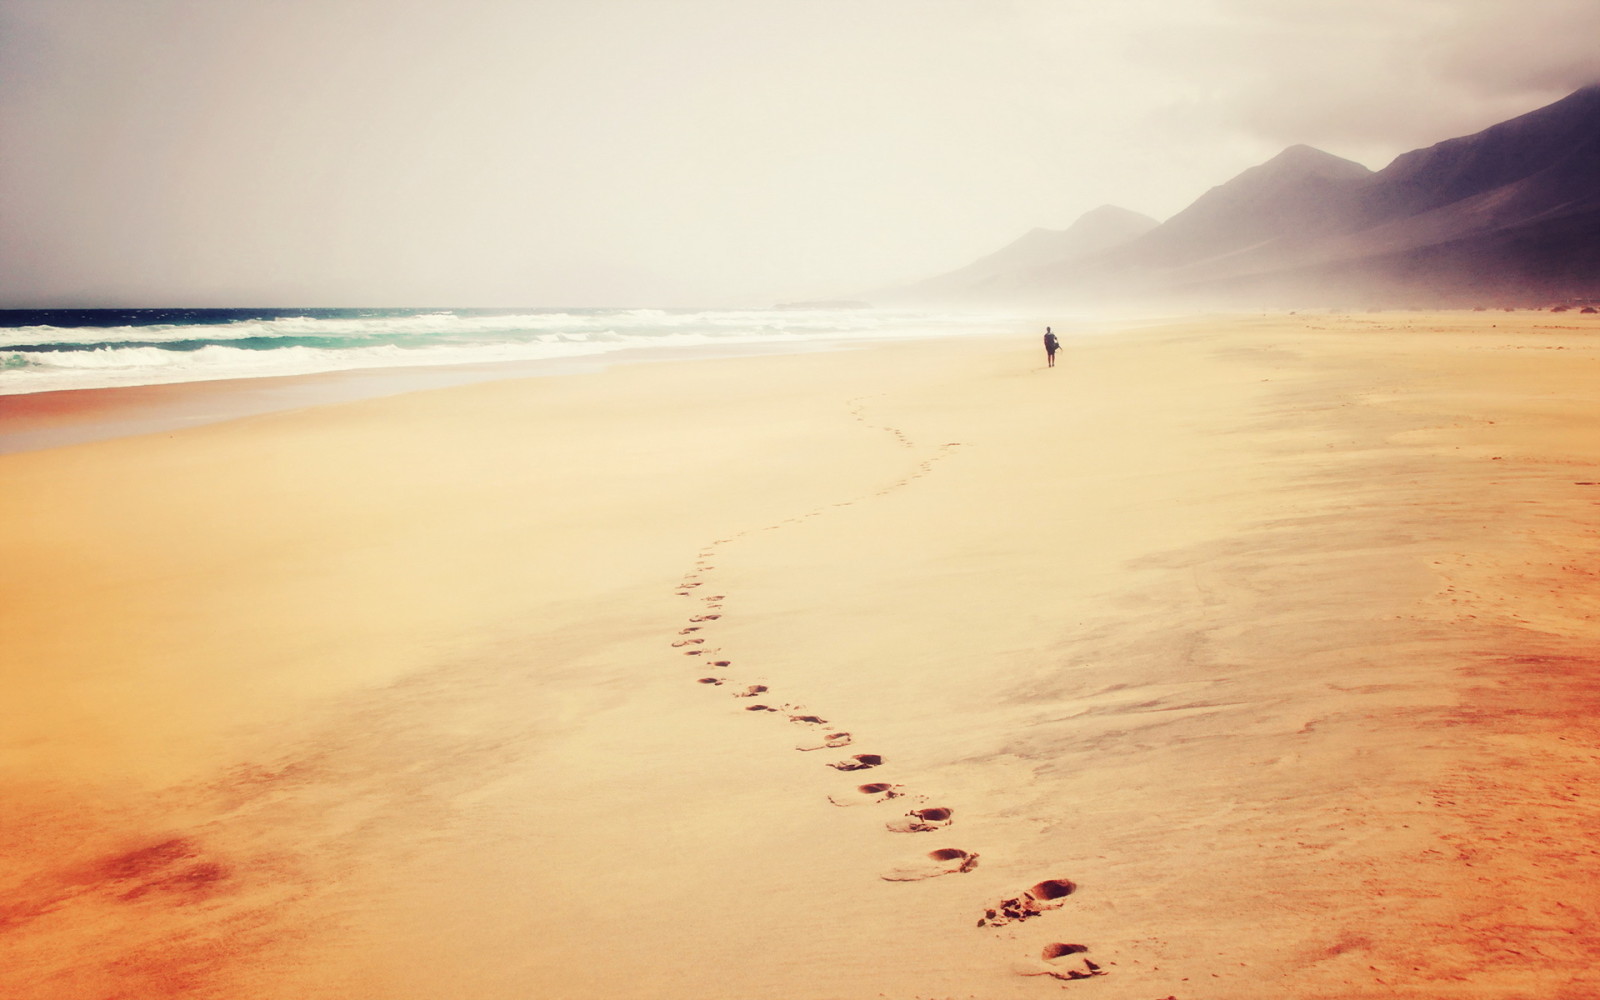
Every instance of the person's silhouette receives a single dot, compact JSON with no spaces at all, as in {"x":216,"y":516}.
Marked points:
{"x":1051,"y":345}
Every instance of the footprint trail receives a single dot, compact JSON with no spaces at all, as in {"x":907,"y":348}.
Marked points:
{"x":1058,"y":960}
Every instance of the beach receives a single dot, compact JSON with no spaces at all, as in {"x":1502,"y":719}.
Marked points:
{"x":1234,"y":657}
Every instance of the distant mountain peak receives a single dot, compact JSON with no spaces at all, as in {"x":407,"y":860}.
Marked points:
{"x":1299,"y":193}
{"x":1094,"y":232}
{"x":1512,"y":210}
{"x":1110,"y":224}
{"x":1309,"y":161}
{"x":1112,"y":212}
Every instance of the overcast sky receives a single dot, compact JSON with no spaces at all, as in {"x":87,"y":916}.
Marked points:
{"x":682,"y":152}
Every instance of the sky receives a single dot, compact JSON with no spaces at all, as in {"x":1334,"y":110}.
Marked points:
{"x":682,"y":152}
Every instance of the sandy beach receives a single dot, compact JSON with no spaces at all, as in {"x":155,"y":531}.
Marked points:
{"x":1232,"y":658}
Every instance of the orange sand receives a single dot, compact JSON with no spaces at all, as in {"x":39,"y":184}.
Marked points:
{"x":1275,"y":637}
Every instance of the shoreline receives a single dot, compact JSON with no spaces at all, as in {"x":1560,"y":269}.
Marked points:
{"x":61,"y":417}
{"x":1258,"y":650}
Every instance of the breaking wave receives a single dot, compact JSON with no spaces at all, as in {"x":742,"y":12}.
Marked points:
{"x":48,"y":350}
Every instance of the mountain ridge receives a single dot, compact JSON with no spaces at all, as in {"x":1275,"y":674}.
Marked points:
{"x":1094,"y":232}
{"x":1513,"y":209}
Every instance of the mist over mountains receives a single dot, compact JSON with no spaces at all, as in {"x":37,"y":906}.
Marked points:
{"x":1509,"y":215}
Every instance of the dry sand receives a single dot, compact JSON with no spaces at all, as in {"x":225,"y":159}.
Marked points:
{"x":1274,"y":637}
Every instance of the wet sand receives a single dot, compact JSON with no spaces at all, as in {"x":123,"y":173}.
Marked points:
{"x":38,"y":420}
{"x":1234,"y":658}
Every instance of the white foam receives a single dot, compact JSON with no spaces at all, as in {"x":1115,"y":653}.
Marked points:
{"x":427,"y":339}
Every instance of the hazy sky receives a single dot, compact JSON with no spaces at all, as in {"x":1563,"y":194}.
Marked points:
{"x":682,"y":152}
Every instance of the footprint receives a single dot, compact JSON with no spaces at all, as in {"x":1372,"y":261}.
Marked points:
{"x":832,"y":741}
{"x":176,"y":867}
{"x":878,"y":791}
{"x":1052,"y":951}
{"x":688,"y":642}
{"x":814,"y":720}
{"x":691,"y":628}
{"x":945,"y":861}
{"x":712,"y":680}
{"x":1062,"y":961}
{"x":705,"y":618}
{"x":923,"y":820}
{"x":751,"y":691}
{"x":859,"y":762}
{"x":722,"y":663}
{"x":759,"y":708}
{"x":688,"y":584}
{"x":1046,"y":895}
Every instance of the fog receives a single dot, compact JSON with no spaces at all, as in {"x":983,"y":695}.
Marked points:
{"x":382,"y":152}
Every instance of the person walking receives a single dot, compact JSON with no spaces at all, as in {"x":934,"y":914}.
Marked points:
{"x":1051,"y":345}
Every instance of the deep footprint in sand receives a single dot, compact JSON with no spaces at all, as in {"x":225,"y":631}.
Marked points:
{"x":859,"y":762}
{"x":923,"y":820}
{"x":705,"y":618}
{"x":1062,"y":961}
{"x":687,"y":642}
{"x":811,"y":720}
{"x":945,"y":861}
{"x":866,"y":795}
{"x":751,"y":691}
{"x":713,"y":680}
{"x":1040,"y":897}
{"x":832,"y":741}
{"x":759,"y":708}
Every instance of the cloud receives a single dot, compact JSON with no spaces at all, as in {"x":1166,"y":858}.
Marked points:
{"x":1374,"y":78}
{"x":623,"y":151}
{"x":1539,"y":48}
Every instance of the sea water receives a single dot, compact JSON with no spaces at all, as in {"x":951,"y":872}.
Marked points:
{"x":46,"y":350}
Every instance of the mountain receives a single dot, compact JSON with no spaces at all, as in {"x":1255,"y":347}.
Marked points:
{"x":1511,"y":212}
{"x":1512,"y":209}
{"x":1300,"y":193}
{"x":1094,"y":232}
{"x":1547,"y":156}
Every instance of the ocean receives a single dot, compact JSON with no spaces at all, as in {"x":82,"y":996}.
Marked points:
{"x":43,"y":350}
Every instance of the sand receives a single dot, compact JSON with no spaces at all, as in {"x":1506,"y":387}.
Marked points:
{"x":1270,"y":638}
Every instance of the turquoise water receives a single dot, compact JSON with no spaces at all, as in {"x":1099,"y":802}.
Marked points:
{"x":45,"y":350}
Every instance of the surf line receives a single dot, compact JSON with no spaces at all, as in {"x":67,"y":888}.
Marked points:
{"x":692,"y":640}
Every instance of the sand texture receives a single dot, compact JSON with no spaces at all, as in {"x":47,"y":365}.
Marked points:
{"x":1230,"y":659}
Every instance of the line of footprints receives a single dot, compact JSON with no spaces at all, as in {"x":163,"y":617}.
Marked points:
{"x":1057,"y":960}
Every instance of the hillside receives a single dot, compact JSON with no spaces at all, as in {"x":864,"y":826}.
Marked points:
{"x":1511,"y":212}
{"x":1007,"y":270}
